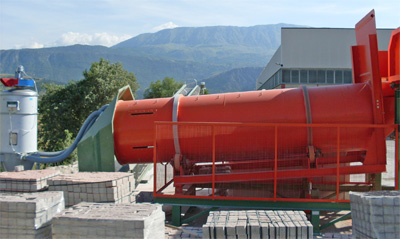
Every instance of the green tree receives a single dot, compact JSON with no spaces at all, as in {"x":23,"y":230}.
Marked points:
{"x":164,"y":88}
{"x":63,"y":109}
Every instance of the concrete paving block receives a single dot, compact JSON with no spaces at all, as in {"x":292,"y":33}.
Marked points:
{"x":377,"y":210}
{"x":219,"y":230}
{"x":396,"y":201}
{"x":297,"y":230}
{"x":206,"y":231}
{"x":374,"y":201}
{"x":388,"y":210}
{"x":272,"y":230}
{"x":375,"y":219}
{"x":388,"y":201}
{"x":389,"y":219}
{"x":264,"y":230}
{"x":396,"y":210}
{"x":281,"y":230}
{"x":397,"y":228}
{"x":230,"y":229}
{"x":255,"y":230}
{"x":390,"y":228}
{"x":303,"y":230}
{"x":290,"y":230}
{"x":241,"y":230}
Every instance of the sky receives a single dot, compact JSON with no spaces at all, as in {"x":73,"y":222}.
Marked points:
{"x":50,"y":23}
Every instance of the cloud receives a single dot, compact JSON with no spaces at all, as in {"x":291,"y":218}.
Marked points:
{"x":168,"y":25}
{"x":36,"y":45}
{"x":72,"y":38}
{"x":32,"y":45}
{"x":104,"y":39}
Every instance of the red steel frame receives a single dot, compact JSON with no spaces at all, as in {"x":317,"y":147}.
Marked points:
{"x":302,"y":173}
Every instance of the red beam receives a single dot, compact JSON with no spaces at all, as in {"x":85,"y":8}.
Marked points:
{"x":289,"y":162}
{"x":286,"y":174}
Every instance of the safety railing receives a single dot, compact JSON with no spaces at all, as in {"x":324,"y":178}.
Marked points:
{"x":272,"y":162}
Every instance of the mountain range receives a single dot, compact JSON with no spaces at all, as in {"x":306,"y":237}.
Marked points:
{"x":227,"y":58}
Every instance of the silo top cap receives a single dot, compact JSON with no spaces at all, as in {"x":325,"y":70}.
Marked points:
{"x":14,"y":82}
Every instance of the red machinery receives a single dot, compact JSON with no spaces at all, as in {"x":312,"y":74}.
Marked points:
{"x":311,"y":134}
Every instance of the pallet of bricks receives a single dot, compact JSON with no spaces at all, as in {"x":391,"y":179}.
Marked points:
{"x":26,"y":208}
{"x":375,"y":214}
{"x":26,"y":181}
{"x":108,"y":220}
{"x":257,"y":224}
{"x":111,"y":187}
{"x":28,"y":215}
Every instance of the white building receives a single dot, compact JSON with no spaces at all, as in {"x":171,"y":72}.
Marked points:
{"x":313,"y":57}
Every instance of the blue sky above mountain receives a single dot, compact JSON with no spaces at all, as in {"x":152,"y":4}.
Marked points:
{"x":46,"y":23}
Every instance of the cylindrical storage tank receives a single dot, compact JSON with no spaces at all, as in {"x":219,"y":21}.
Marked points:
{"x":345,"y":104}
{"x":18,"y":117}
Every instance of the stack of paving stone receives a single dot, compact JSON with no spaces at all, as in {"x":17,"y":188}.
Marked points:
{"x":107,"y":220}
{"x":375,"y":214}
{"x":110,"y":187}
{"x":28,"y":215}
{"x":256,"y":224}
{"x":26,"y":181}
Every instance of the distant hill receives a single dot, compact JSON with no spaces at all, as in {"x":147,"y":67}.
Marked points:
{"x":254,"y":36}
{"x":64,"y":64}
{"x":57,"y":63}
{"x":184,"y":53}
{"x":236,"y":46}
{"x":239,"y":79}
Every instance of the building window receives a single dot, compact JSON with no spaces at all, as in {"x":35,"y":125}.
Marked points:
{"x":303,"y":76}
{"x":295,"y":76}
{"x":338,"y":77}
{"x":329,"y":77}
{"x":321,"y":76}
{"x":279,"y":79}
{"x":269,"y":83}
{"x":312,"y":76}
{"x":348,"y":77}
{"x":286,"y":76}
